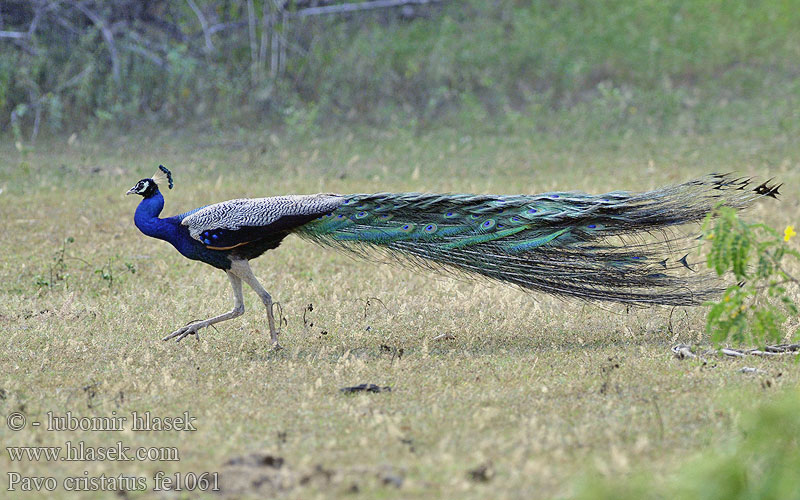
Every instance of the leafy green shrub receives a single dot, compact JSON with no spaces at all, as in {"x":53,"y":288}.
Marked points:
{"x":755,"y":309}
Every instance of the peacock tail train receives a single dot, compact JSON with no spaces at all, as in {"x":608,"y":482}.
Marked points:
{"x":618,"y":246}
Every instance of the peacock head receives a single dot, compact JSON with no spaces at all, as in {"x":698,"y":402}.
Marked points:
{"x":145,"y":187}
{"x":148,"y":187}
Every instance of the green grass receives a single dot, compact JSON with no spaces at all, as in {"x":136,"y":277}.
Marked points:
{"x":759,"y":460}
{"x":540,"y":391}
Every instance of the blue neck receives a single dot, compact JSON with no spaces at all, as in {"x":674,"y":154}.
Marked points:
{"x":146,"y":218}
{"x":171,"y":230}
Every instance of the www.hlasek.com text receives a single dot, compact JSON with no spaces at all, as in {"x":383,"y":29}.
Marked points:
{"x":81,"y":452}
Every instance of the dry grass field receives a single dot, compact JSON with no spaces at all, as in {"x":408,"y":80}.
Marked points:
{"x":495,"y":393}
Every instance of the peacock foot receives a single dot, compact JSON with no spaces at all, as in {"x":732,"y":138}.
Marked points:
{"x":181,"y":333}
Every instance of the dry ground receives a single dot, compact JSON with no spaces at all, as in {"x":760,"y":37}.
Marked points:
{"x":495,"y":392}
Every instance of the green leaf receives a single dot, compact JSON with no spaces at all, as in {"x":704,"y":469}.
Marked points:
{"x":753,"y":253}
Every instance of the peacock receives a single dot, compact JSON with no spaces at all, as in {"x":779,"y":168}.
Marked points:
{"x":619,"y":246}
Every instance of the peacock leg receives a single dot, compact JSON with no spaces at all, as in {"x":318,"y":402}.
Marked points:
{"x":242,"y":269}
{"x":238,"y":310}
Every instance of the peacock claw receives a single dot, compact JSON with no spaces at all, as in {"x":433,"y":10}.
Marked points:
{"x":184,"y":332}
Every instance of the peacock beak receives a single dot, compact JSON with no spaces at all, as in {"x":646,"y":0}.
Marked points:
{"x":131,"y":191}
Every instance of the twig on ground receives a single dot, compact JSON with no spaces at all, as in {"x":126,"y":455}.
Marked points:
{"x":732,"y":352}
{"x":684,"y":351}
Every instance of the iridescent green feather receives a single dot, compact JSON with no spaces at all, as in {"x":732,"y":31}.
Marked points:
{"x":597,"y":247}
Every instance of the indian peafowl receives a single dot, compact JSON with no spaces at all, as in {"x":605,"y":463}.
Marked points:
{"x":610,"y":247}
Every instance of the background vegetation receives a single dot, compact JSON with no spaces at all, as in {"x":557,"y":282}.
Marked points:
{"x":670,"y":66}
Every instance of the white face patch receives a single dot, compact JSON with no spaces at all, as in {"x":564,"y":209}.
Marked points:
{"x":142,"y":186}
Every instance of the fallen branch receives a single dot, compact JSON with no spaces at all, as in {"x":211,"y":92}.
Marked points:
{"x":684,"y":351}
{"x":748,"y":369}
{"x":732,"y":352}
